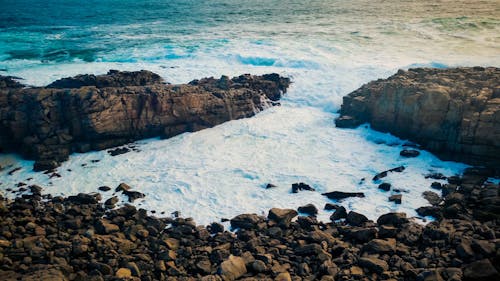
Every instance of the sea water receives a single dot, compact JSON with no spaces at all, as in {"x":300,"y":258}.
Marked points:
{"x":327,"y":48}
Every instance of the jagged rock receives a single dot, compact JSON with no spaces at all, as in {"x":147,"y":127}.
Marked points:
{"x":451,"y":112}
{"x":90,"y":112}
{"x":282,"y":216}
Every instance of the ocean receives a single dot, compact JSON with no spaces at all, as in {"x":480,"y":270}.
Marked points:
{"x":327,"y":48}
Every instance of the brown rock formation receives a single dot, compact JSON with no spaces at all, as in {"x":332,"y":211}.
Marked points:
{"x":90,"y":112}
{"x":454,"y":113}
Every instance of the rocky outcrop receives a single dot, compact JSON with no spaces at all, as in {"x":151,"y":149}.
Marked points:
{"x":454,"y":113}
{"x":90,"y":112}
{"x":77,"y":238}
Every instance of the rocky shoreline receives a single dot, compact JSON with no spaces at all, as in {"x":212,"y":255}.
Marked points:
{"x":88,"y":112}
{"x":80,"y":238}
{"x":454,"y":112}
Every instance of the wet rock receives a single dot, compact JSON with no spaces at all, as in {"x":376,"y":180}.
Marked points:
{"x":296,"y":187}
{"x":384,"y":173}
{"x":339,"y":195}
{"x":104,"y":188}
{"x":308,"y":209}
{"x":133,"y":195}
{"x":118,"y":151}
{"x":385,"y":186}
{"x":340,"y":213}
{"x":433,"y":198}
{"x":396,"y":219}
{"x":45,"y":165}
{"x":396,"y":198}
{"x":409,"y":153}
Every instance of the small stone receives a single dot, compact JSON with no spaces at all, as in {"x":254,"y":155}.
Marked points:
{"x":284,"y":276}
{"x":410,"y":153}
{"x":123,"y":273}
{"x":259,"y":266}
{"x":270,"y":185}
{"x":396,"y":198}
{"x":123,"y":187}
{"x":385,"y":186}
{"x":104,"y":188}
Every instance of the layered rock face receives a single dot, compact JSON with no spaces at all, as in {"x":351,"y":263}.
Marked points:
{"x":452,"y":112}
{"x":90,"y":112}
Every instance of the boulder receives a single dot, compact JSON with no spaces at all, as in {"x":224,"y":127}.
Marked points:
{"x":246,"y":221}
{"x":232,"y":268}
{"x":282,"y":216}
{"x":482,"y":270}
{"x":356,"y":219}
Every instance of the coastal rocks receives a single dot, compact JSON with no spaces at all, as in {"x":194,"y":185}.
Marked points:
{"x":90,"y":112}
{"x":451,"y":112}
{"x":78,"y":239}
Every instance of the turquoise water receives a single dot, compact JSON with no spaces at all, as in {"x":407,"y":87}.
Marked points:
{"x":287,"y":34}
{"x":327,"y":48}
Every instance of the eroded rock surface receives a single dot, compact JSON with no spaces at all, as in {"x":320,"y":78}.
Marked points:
{"x":90,"y":112}
{"x":454,"y":113}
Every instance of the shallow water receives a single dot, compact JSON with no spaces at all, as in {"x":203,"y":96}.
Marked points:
{"x":328,"y":48}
